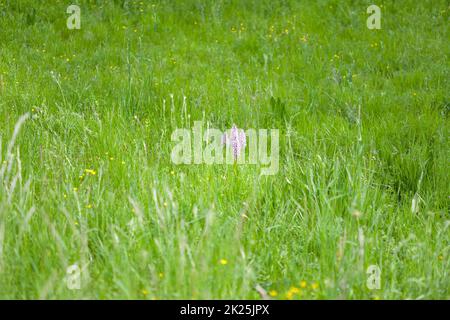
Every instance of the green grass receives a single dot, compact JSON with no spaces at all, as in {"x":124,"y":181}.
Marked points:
{"x":363,"y":120}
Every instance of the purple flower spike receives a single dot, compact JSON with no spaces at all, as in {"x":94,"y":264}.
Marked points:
{"x":236,"y":139}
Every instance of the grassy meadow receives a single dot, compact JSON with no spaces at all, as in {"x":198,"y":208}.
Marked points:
{"x":86,"y":177}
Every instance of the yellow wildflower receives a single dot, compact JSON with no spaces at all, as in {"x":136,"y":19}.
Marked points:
{"x":90,"y":171}
{"x":294,"y":290}
{"x":223,"y":261}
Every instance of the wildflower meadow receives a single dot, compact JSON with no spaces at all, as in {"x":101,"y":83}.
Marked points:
{"x":229,"y":149}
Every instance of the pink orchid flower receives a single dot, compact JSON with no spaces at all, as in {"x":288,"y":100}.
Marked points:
{"x":236,"y":139}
